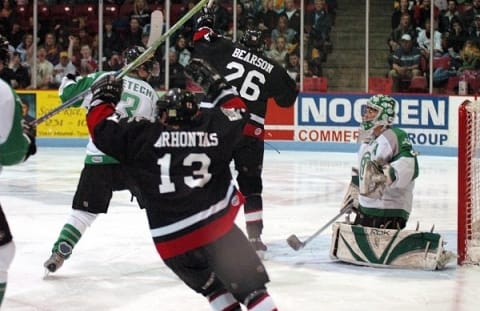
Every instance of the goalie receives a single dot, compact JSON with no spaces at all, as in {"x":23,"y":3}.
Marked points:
{"x":380,"y":194}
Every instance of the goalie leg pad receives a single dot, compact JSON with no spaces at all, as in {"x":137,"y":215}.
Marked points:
{"x":388,"y":248}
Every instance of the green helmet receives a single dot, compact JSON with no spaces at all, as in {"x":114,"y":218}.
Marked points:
{"x":385,"y":107}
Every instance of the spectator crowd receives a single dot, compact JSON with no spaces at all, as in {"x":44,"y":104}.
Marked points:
{"x":454,"y":44}
{"x":68,"y":36}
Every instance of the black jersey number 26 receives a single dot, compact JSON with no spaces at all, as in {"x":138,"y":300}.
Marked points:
{"x":249,"y":90}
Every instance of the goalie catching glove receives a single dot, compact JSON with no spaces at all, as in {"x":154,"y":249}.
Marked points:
{"x":207,"y":78}
{"x":107,"y":89}
{"x":376,"y":177}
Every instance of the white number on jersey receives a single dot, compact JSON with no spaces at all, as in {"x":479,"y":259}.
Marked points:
{"x":198,"y":179}
{"x":249,"y":89}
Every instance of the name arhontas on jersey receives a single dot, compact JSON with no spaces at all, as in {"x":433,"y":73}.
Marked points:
{"x":187,"y":139}
{"x":252,"y":59}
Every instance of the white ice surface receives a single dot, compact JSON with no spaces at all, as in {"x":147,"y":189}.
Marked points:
{"x":115,"y":266}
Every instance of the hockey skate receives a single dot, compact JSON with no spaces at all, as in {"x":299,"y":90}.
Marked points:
{"x":58,"y":257}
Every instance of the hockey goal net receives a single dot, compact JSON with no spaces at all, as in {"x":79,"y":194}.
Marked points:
{"x":469,"y":183}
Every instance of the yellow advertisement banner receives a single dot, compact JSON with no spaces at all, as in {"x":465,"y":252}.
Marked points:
{"x":69,"y":123}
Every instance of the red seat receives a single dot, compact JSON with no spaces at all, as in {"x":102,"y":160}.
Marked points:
{"x":61,"y":13}
{"x":418,"y":84}
{"x":86,"y":9}
{"x":441,"y":62}
{"x":126,"y":10}
{"x":452,"y":85}
{"x":111,"y":11}
{"x":315,"y":84}
{"x":380,"y":85}
{"x":43,"y":12}
{"x":176,"y":11}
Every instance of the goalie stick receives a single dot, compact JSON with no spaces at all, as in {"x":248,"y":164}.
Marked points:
{"x":295,"y":243}
{"x":149,"y":52}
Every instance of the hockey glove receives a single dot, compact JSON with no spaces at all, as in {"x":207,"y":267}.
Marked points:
{"x":376,"y":178}
{"x":350,"y":200}
{"x":107,"y":89}
{"x":206,"y":77}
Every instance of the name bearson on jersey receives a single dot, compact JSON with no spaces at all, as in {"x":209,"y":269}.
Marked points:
{"x":252,"y":59}
{"x":187,"y":139}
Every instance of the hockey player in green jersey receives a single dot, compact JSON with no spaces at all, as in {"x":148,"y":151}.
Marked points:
{"x":381,"y":194}
{"x":101,"y":174}
{"x":15,"y":147}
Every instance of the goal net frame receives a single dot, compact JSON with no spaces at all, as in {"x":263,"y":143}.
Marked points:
{"x":468,"y":222}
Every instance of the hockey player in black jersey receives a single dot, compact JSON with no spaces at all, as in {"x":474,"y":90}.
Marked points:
{"x":181,"y":167}
{"x":256,"y":78}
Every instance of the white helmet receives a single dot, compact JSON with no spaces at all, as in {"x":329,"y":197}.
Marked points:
{"x":385,"y":107}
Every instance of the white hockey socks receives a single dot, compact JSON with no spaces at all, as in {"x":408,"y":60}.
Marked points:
{"x":262,"y":303}
{"x":223,"y":301}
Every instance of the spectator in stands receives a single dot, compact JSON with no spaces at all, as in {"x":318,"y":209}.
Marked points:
{"x":282,"y":30}
{"x":470,"y":56}
{"x":468,"y":14}
{"x":177,"y":76}
{"x":111,"y":39}
{"x":243,"y":21}
{"x":422,"y":12}
{"x":222,"y":18}
{"x":44,"y":74}
{"x":267,"y":18}
{"x":183,"y":54}
{"x":16,"y":34}
{"x":114,"y":62}
{"x":133,"y":34}
{"x":318,"y":26}
{"x":21,"y":76}
{"x":332,"y":7}
{"x":457,"y":36}
{"x":424,"y":41}
{"x":87,"y":63}
{"x":293,"y":67}
{"x":474,"y":31}
{"x":293,"y":15}
{"x":84,"y":37}
{"x":52,"y":48}
{"x":403,"y":7}
{"x":141,"y":11}
{"x":62,"y":69}
{"x":405,"y":27}
{"x":446,"y":16}
{"x":74,"y":50}
{"x":26,"y":50}
{"x":278,"y":52}
{"x":406,"y":63}
{"x":7,"y":15}
{"x":6,"y":74}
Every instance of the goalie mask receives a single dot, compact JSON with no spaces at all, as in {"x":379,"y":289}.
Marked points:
{"x":379,"y":111}
{"x":179,"y":105}
{"x":253,"y":40}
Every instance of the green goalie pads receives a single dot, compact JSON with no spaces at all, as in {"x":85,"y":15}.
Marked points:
{"x":388,"y":248}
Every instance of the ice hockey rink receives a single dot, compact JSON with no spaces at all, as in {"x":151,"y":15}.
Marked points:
{"x":115,"y":266}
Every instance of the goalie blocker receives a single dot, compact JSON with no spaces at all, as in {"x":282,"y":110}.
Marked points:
{"x":388,"y":248}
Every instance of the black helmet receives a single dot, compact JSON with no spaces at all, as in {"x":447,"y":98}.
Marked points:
{"x":132,"y":53}
{"x":253,"y":39}
{"x":4,"y":51}
{"x":180,"y":105}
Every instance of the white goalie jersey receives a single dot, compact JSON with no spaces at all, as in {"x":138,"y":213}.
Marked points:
{"x":393,"y":151}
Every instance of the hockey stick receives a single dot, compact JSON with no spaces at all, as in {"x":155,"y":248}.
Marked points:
{"x":149,"y":52}
{"x":295,"y":243}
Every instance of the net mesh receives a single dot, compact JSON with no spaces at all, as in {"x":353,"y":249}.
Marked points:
{"x":471,"y":182}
